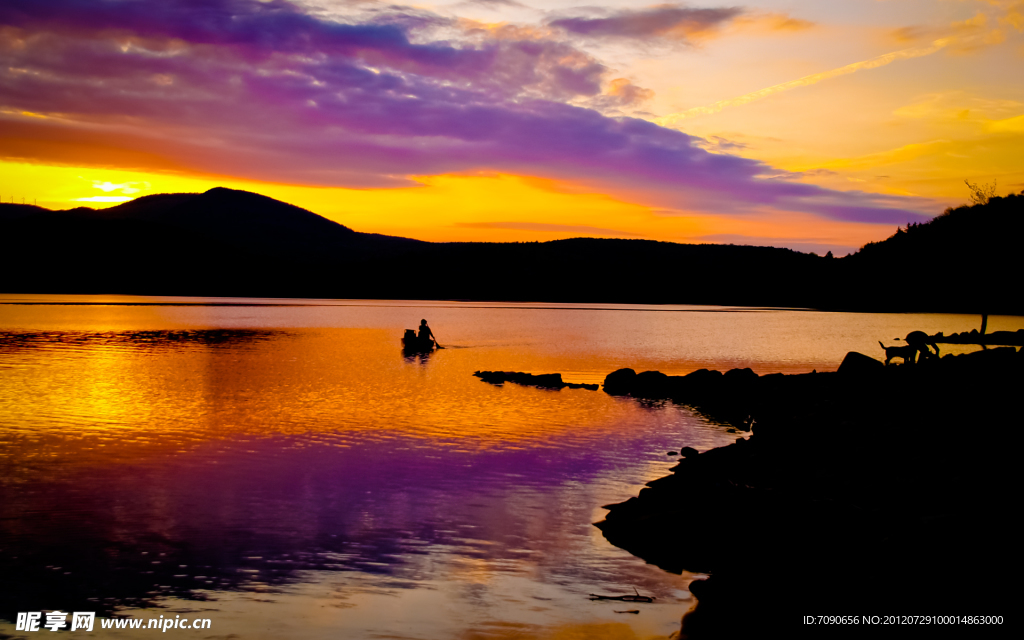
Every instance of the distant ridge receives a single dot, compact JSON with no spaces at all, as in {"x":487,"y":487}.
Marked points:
{"x":152,"y":207}
{"x":234,"y":243}
{"x":11,"y":211}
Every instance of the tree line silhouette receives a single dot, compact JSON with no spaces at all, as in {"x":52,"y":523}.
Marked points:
{"x":235,"y":243}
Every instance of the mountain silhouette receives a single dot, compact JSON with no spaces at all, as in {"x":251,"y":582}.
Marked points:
{"x":235,"y":243}
{"x":246,"y":221}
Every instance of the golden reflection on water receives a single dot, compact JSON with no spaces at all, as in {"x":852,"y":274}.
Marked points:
{"x":172,"y":390}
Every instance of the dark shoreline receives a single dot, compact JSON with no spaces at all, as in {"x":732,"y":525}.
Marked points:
{"x":868,"y":491}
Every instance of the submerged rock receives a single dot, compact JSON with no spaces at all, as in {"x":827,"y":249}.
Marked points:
{"x":1011,"y":338}
{"x":545,"y":380}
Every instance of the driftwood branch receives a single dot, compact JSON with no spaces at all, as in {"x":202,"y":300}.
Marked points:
{"x":626,"y":598}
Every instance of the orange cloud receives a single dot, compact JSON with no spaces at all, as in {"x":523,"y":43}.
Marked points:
{"x":985,"y":28}
{"x":673,"y":119}
{"x":1014,"y":16}
{"x":50,"y":141}
{"x":768,"y":21}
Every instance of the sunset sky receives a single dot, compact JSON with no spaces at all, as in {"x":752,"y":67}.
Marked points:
{"x":806,"y":124}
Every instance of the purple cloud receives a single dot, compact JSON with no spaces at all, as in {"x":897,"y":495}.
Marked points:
{"x":263,"y":32}
{"x":494,"y":4}
{"x":267,"y":91}
{"x":675,"y":22}
{"x":720,"y":144}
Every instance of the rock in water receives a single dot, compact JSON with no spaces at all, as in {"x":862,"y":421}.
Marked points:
{"x":620,"y":383}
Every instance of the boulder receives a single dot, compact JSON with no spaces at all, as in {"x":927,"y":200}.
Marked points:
{"x":543,"y":380}
{"x":704,"y":375}
{"x":858,"y":365}
{"x":650,"y":384}
{"x":620,"y":383}
{"x":740,"y":375}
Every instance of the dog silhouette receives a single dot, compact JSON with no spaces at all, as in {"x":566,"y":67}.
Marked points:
{"x":907,"y":352}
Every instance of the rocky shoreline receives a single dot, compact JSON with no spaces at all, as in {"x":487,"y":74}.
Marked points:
{"x":975,"y":337}
{"x":869,"y":491}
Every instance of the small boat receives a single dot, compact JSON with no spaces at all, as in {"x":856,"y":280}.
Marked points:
{"x":411,"y":343}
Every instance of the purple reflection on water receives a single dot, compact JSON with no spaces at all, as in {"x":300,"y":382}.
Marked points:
{"x":265,"y":510}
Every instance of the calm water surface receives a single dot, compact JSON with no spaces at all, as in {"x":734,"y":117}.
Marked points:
{"x":280,"y":468}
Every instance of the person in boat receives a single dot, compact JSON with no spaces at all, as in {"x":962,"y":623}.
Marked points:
{"x":426,"y":333}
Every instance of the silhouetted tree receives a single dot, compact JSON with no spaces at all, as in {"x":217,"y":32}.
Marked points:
{"x":981,"y":193}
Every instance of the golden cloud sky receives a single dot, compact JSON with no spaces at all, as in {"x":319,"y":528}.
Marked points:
{"x":809,"y":125}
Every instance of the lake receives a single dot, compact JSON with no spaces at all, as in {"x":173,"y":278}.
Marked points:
{"x":280,"y":468}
